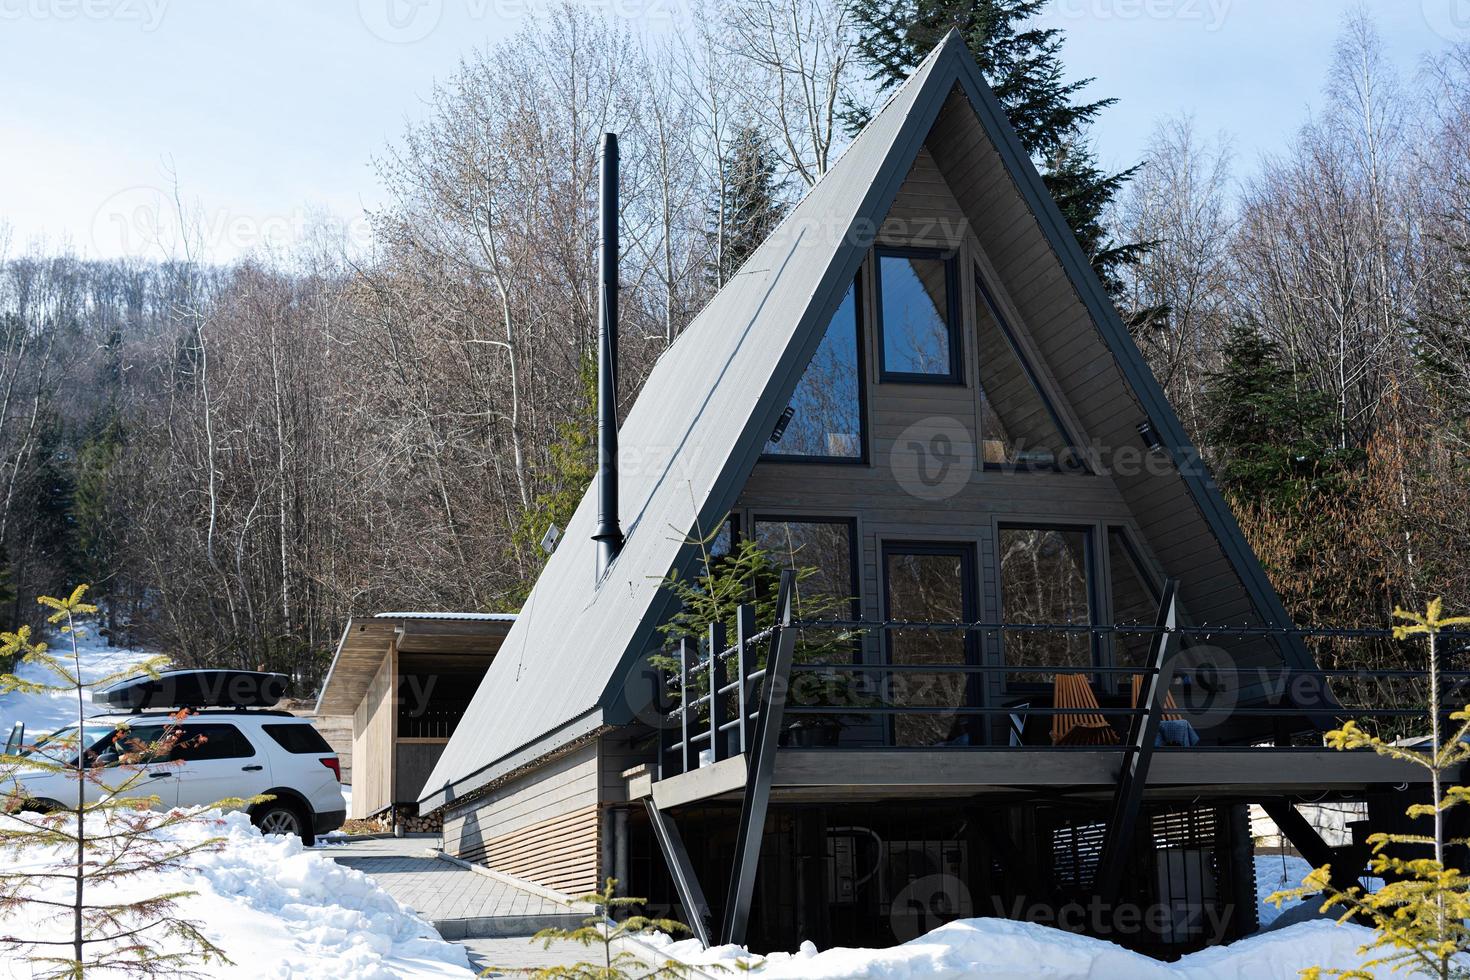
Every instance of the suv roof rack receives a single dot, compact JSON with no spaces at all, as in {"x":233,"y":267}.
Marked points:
{"x":218,"y":712}
{"x":237,"y":689}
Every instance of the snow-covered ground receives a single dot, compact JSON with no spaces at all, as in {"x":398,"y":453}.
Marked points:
{"x":280,"y":911}
{"x":45,"y":713}
{"x":1277,"y":873}
{"x":1006,"y":950}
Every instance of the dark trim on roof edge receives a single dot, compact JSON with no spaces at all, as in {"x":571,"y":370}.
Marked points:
{"x":584,"y":728}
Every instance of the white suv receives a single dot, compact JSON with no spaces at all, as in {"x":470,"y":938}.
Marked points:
{"x":220,"y":753}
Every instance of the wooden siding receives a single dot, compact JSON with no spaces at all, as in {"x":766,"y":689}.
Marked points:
{"x":987,"y":223}
{"x":1089,"y":377}
{"x":560,"y":853}
{"x":543,"y":827}
{"x":871,"y":494}
{"x":373,"y":729}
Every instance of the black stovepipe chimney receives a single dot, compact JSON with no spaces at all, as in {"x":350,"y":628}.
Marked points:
{"x":609,"y":536}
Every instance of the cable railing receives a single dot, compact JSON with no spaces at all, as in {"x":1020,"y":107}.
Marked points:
{"x":718,"y":686}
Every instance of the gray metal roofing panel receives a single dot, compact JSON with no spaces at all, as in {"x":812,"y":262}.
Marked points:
{"x":691,"y":437}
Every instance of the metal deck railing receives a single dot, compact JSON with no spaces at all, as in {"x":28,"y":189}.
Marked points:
{"x":869,"y":697}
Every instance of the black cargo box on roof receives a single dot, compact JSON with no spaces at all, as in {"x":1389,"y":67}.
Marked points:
{"x":196,"y":689}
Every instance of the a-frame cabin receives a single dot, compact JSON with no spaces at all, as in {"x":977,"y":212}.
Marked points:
{"x":917,"y":387}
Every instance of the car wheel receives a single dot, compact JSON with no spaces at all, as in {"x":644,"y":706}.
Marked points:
{"x":281,"y":818}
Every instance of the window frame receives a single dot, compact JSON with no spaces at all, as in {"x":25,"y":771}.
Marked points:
{"x":970,"y":605}
{"x":954,"y":314}
{"x":1094,"y":599}
{"x":854,"y":556}
{"x":1146,"y":578}
{"x":1076,"y":462}
{"x":859,"y":337}
{"x":1130,"y":548}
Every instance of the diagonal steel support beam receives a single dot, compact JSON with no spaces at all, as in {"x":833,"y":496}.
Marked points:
{"x":1347,"y":861}
{"x":1297,"y":829}
{"x":1138,"y":750}
{"x":760,"y":765}
{"x":686,"y":882}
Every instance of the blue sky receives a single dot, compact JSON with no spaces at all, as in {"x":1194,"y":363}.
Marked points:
{"x":270,"y":111}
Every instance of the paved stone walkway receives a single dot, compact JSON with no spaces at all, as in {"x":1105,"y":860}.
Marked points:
{"x":493,"y":919}
{"x":519,"y":952}
{"x":459,"y":902}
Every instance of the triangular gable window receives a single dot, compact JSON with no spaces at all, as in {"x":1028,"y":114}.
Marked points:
{"x":1019,"y":429}
{"x":824,"y":420}
{"x":1135,"y":600}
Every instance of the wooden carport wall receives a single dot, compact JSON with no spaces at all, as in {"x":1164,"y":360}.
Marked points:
{"x":362,"y":685}
{"x":365,"y":684}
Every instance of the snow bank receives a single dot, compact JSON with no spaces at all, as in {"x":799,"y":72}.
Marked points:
{"x":281,"y":911}
{"x":1007,"y":950}
{"x":45,"y":713}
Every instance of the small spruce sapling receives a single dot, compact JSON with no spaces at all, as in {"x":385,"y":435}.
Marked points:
{"x":601,"y":932}
{"x":1420,"y":916}
{"x":87,"y":903}
{"x":749,"y":574}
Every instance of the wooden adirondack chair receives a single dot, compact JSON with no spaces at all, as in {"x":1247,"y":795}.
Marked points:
{"x":1171,"y":707}
{"x":1073,"y":691}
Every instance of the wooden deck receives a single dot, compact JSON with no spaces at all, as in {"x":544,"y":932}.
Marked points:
{"x":874,"y":774}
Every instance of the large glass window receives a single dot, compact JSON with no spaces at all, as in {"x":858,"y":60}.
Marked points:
{"x":1045,"y":579}
{"x":1135,"y":603}
{"x":917,"y":315}
{"x":1018,"y":427}
{"x":825,"y":418}
{"x":830,"y":591}
{"x":929,"y":583}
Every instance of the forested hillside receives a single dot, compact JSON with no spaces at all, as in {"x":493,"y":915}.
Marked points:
{"x":241,"y":456}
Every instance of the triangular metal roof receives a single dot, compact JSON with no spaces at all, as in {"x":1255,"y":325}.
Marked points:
{"x":698,"y":427}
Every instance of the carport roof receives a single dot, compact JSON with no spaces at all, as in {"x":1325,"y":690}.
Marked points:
{"x":368,"y":639}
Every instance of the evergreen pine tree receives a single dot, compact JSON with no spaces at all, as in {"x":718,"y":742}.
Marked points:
{"x":1273,"y":435}
{"x":749,"y":204}
{"x":1442,"y":344}
{"x":94,"y":515}
{"x":53,"y":523}
{"x":7,"y":606}
{"x":1023,"y":66}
